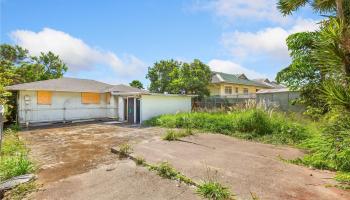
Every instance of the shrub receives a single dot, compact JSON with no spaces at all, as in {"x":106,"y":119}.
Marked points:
{"x":214,"y":190}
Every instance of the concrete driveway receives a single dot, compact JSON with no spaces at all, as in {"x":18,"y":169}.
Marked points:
{"x":245,"y":167}
{"x":75,"y":162}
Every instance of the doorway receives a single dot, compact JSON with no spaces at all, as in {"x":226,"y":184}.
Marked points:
{"x":131,"y":111}
{"x":137,"y":110}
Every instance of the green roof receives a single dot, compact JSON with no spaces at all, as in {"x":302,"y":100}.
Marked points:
{"x":234,"y":78}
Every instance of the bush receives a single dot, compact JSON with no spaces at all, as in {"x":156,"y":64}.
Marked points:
{"x":214,"y":190}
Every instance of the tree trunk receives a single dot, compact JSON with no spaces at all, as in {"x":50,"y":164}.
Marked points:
{"x":345,"y":36}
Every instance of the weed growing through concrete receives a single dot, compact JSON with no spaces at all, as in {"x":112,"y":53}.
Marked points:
{"x":165,"y":170}
{"x":172,"y":135}
{"x":139,"y":160}
{"x":214,"y":190}
{"x":125,"y":149}
{"x":21,"y":191}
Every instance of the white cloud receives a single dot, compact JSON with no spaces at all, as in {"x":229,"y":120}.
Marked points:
{"x":233,"y":10}
{"x":230,"y":67}
{"x":78,"y":55}
{"x":269,"y":41}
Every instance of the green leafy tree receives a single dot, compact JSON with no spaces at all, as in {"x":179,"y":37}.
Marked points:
{"x":195,"y":78}
{"x":137,"y":84}
{"x":17,"y":66}
{"x":176,"y":78}
{"x":339,"y":9}
{"x":164,"y":76}
{"x":303,"y":74}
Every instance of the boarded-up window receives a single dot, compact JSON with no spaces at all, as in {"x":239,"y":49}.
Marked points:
{"x":108,"y":98}
{"x":44,"y":97}
{"x":90,"y":98}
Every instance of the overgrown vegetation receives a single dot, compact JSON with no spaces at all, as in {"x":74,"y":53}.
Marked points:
{"x":327,"y":141}
{"x":14,"y":159}
{"x":248,"y":124}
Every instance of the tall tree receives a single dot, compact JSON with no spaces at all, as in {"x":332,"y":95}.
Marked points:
{"x":137,"y":84}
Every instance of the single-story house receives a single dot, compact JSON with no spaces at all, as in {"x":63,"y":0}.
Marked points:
{"x":70,"y":99}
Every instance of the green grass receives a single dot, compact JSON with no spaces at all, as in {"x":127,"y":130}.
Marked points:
{"x":14,"y":159}
{"x":214,"y":190}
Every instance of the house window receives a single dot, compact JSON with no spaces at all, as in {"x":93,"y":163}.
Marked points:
{"x":245,"y":91}
{"x":228,"y":90}
{"x":44,"y":97}
{"x":90,"y":98}
{"x":236,"y":89}
{"x":108,"y":98}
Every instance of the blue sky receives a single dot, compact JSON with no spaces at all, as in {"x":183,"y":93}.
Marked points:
{"x":115,"y":41}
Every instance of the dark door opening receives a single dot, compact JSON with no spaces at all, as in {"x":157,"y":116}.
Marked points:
{"x":125,"y":109}
{"x":137,"y":111}
{"x":131,"y":110}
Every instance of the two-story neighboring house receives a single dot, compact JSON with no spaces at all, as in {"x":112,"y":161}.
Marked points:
{"x":234,"y":85}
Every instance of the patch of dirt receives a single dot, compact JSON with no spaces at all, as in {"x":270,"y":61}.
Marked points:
{"x":61,"y":151}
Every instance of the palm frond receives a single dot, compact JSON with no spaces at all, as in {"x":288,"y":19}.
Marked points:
{"x":324,"y":6}
{"x":328,"y":52}
{"x":286,"y":7}
{"x":336,"y":94}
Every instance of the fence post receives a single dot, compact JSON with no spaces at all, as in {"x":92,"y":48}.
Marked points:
{"x":2,"y":111}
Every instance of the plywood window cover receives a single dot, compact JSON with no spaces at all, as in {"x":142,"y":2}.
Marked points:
{"x":108,"y":98}
{"x":44,"y":97}
{"x":90,"y":98}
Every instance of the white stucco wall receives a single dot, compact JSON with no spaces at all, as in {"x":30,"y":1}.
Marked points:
{"x":64,"y":106}
{"x":154,"y":105}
